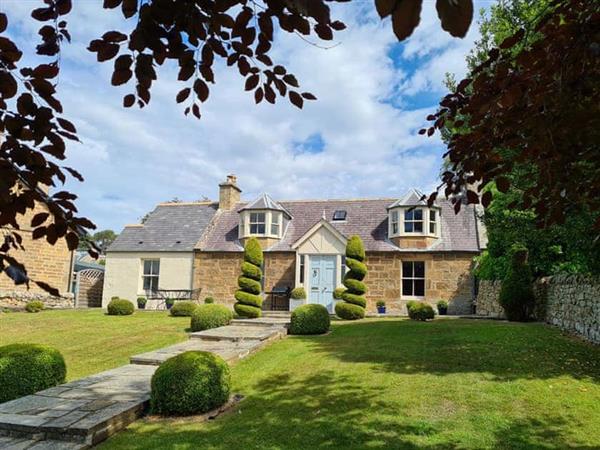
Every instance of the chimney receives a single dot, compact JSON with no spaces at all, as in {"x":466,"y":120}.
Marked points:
{"x":229,"y":193}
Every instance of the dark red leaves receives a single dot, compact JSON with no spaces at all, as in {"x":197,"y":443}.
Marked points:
{"x":39,"y":219}
{"x":128,"y":100}
{"x":511,"y":41}
{"x":49,"y":289}
{"x":3,"y":22}
{"x":201,"y":90}
{"x":66,"y":125}
{"x":183,"y":95}
{"x":252,"y":82}
{"x":129,"y":7}
{"x":296,"y":99}
{"x":308,"y":96}
{"x":503,"y":184}
{"x":456,"y":16}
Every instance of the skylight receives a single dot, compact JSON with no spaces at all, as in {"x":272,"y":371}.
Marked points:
{"x":340,"y":214}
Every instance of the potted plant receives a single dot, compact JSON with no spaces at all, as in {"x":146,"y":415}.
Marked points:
{"x":141,"y":302}
{"x":442,"y":307}
{"x":381,"y":307}
{"x":297,"y":298}
{"x":169,"y":303}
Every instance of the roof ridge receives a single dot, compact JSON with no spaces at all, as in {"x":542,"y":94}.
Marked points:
{"x":208,"y":202}
{"x":338,"y":200}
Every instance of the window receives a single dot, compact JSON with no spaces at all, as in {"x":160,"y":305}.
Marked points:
{"x":257,"y":223}
{"x":275,"y":224}
{"x":432,"y":222}
{"x":150,"y":276}
{"x":394,"y":222}
{"x":339,"y":215}
{"x":413,"y":221}
{"x":413,"y":279}
{"x":301,"y":269}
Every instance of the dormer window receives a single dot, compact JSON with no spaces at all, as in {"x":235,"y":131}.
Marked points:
{"x":394,"y":222}
{"x":257,"y":223}
{"x":413,"y":220}
{"x":263,"y":217}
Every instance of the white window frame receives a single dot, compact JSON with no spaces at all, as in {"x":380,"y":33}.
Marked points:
{"x":272,"y":218}
{"x":150,"y":275}
{"x":413,"y":221}
{"x":257,"y":223}
{"x":413,"y":278}
{"x":399,"y":212}
{"x":394,"y":224}
{"x":433,"y":222}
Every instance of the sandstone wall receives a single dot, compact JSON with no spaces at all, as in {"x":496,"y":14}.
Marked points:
{"x":18,"y":299}
{"x":571,"y":302}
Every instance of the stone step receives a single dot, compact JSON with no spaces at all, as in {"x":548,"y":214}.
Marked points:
{"x":228,"y":350}
{"x":263,"y":322}
{"x":19,"y":443}
{"x":286,"y":314}
{"x":236,"y":333}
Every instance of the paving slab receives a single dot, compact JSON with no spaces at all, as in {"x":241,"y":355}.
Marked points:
{"x":263,"y":322}
{"x":240,"y":333}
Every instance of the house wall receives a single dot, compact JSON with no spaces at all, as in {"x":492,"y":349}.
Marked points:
{"x":123,"y":273}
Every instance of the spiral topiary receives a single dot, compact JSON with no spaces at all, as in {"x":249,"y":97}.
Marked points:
{"x":248,"y":296}
{"x":354,"y":303}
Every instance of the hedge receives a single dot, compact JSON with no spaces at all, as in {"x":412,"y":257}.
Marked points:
{"x":209,"y":300}
{"x":29,"y":368}
{"x":249,"y":301}
{"x":251,"y":271}
{"x":516,"y":293}
{"x":253,"y":252}
{"x":34,"y":306}
{"x":251,"y":312}
{"x":354,"y":299}
{"x":183,"y":309}
{"x":190,"y":383}
{"x":120,"y":307}
{"x":249,"y":285}
{"x":209,"y":316}
{"x":421,"y":311}
{"x":298,"y":293}
{"x":310,"y":319}
{"x":348,"y":311}
{"x":337,"y":293}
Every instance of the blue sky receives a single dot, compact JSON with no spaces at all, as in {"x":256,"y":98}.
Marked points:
{"x":359,"y":139}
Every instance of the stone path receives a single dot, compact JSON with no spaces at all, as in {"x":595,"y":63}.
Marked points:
{"x":82,"y":413}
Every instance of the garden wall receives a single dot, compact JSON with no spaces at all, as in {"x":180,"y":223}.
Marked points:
{"x":571,"y":302}
{"x":18,"y":299}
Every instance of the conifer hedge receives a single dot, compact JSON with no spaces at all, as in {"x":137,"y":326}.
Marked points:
{"x":248,"y":297}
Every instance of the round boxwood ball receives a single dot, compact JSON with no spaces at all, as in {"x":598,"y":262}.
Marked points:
{"x":120,"y":307}
{"x":190,"y":383}
{"x":210,"y":316}
{"x":29,"y":368}
{"x":421,"y":311}
{"x":310,"y":319}
{"x":349,"y":311}
{"x":185,"y":309}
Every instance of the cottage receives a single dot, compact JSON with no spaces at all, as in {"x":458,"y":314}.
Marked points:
{"x":413,"y":251}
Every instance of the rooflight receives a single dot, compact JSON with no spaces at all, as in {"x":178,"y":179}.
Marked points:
{"x":340,"y":214}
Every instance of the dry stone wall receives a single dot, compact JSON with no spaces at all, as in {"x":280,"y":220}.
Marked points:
{"x":18,"y":299}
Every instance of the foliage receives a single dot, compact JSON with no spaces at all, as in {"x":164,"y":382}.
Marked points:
{"x":349,"y":311}
{"x":355,"y":288}
{"x":29,"y":368}
{"x":420,"y":311}
{"x":120,"y":307}
{"x":210,"y":316}
{"x":337,"y":293}
{"x":169,"y":302}
{"x":101,"y":240}
{"x":443,"y":304}
{"x":209,"y":300}
{"x":310,"y":319}
{"x":298,"y":293}
{"x":183,"y":308}
{"x":380,"y":303}
{"x":34,"y":306}
{"x":190,"y":383}
{"x":141,"y":301}
{"x":516,"y":293}
{"x":553,"y":102}
{"x":248,"y":296}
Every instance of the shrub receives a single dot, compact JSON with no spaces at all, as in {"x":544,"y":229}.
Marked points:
{"x":349,"y":311}
{"x":190,"y":383}
{"x":421,"y":311}
{"x":120,"y":307}
{"x":298,"y":293}
{"x":337,"y":293}
{"x":29,"y":368}
{"x":209,"y":316}
{"x":115,"y":297}
{"x":516,"y":293}
{"x":410,"y":304}
{"x":310,"y":319}
{"x":183,"y":309}
{"x":248,"y":296}
{"x":141,"y":302}
{"x":209,"y":300}
{"x":355,"y":288}
{"x":380,"y":303}
{"x":442,"y":304}
{"x":34,"y":306}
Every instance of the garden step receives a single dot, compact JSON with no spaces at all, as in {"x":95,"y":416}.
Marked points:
{"x":229,"y":351}
{"x":263,"y":322}
{"x":285,"y":314}
{"x":240,"y":333}
{"x":19,"y":443}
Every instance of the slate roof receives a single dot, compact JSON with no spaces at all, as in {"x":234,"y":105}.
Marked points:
{"x":412,"y":198}
{"x":367,"y":218}
{"x":171,"y":227}
{"x":264,"y":201}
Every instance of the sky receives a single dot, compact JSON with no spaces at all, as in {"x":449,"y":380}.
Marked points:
{"x":358,"y":140}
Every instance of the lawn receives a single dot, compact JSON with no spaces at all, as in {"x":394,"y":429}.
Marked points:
{"x":456,"y":384}
{"x":90,"y":340}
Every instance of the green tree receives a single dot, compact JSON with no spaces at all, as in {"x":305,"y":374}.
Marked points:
{"x":101,"y":239}
{"x":249,"y":300}
{"x":353,"y":306}
{"x":516,"y":293}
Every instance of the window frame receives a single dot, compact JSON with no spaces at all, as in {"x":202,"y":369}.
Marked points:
{"x":413,"y":278}
{"x":397,"y":221}
{"x":152,"y":276}
{"x":257,"y":223}
{"x":341,"y":217}
{"x":413,"y":221}
{"x":433,"y":222}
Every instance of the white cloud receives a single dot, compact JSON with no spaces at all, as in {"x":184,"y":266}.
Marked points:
{"x":132,"y":159}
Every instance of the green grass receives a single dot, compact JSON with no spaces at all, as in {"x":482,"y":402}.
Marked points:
{"x":455,"y":384}
{"x":90,"y":340}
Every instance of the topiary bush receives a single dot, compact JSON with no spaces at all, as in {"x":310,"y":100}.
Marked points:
{"x":120,"y":307}
{"x":310,"y":319}
{"x":190,"y":383}
{"x":34,"y":306}
{"x":337,"y":293}
{"x":420,"y":311}
{"x":183,"y":309}
{"x":248,"y":296}
{"x":298,"y":293}
{"x":209,"y":300}
{"x":210,"y":316}
{"x":355,"y":288}
{"x":29,"y":368}
{"x":516,"y":292}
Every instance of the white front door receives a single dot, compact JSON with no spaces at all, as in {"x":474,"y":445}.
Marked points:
{"x":322,"y":280}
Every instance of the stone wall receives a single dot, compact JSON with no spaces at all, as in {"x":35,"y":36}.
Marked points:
{"x":18,"y":299}
{"x":571,"y":302}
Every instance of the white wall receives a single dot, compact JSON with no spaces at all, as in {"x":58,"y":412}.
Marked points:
{"x":123,"y":273}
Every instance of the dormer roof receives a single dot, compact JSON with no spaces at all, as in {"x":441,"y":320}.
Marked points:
{"x":264,"y":201}
{"x":413,"y":197}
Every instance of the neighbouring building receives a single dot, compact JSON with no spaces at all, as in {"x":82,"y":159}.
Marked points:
{"x":413,"y":251}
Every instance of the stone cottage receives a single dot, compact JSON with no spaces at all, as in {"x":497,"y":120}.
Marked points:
{"x":413,"y":251}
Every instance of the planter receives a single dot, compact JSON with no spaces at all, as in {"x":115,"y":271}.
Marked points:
{"x":169,"y":305}
{"x":141,"y":306}
{"x":442,"y":311}
{"x":381,"y":309}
